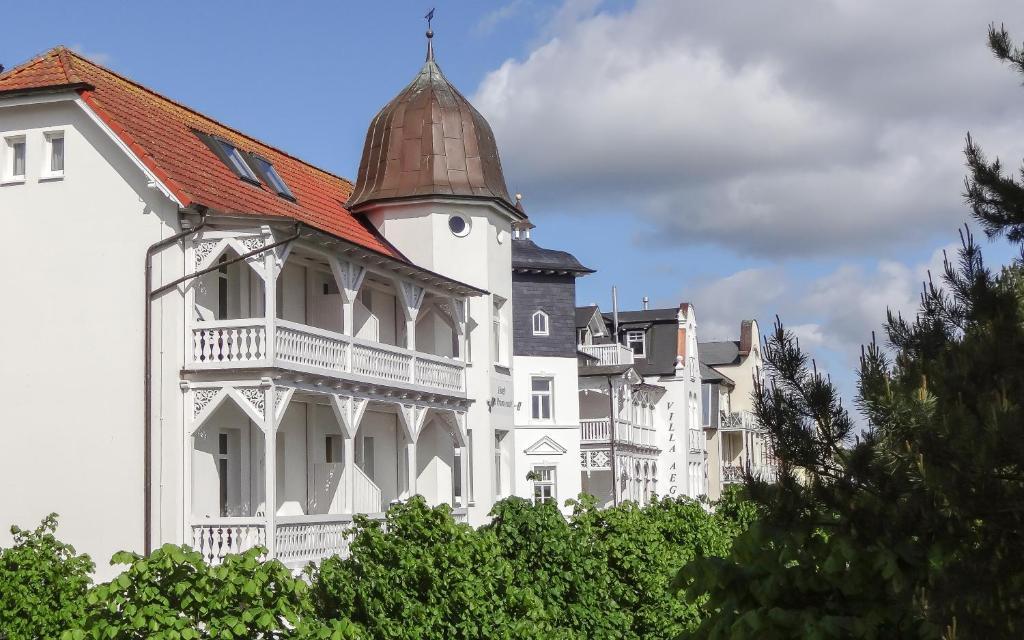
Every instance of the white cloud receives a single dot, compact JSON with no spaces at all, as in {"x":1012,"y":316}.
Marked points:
{"x":836,"y":311}
{"x":490,"y":21}
{"x":772,"y":128}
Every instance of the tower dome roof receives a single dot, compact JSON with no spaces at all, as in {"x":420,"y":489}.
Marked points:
{"x":429,"y":140}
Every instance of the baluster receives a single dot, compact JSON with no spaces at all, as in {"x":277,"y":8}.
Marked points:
{"x":206,"y":344}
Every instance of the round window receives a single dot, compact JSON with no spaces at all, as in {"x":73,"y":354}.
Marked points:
{"x":458,"y":225}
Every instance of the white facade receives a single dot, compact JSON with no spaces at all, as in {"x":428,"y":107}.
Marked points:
{"x":682,"y":468}
{"x":346,"y":371}
{"x":738,"y":444}
{"x":547,"y":429}
{"x":72,"y":404}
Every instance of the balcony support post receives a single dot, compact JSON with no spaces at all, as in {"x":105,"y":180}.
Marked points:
{"x":411,"y":295}
{"x":270,"y":467}
{"x":349,"y":277}
{"x":348,"y":504}
{"x":270,"y":271}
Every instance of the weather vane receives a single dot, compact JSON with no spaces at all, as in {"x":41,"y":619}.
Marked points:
{"x":429,"y":17}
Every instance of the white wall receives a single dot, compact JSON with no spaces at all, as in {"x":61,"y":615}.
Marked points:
{"x":563,"y":428}
{"x":481,"y":258}
{"x":71,"y":334}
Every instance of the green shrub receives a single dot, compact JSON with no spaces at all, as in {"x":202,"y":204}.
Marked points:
{"x":174,"y":594}
{"x":425,"y":577}
{"x":43,"y":583}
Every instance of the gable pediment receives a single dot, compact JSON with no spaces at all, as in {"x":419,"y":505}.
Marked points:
{"x":545,"y":446}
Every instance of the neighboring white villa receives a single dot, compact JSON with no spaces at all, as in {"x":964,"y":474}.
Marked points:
{"x":211,"y":342}
{"x":735,"y":443}
{"x":649,"y":437}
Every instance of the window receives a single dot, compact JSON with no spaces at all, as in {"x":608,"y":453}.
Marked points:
{"x":54,"y":161}
{"x":635,"y":341}
{"x":271,"y":176}
{"x":540,"y":323}
{"x":544,"y":485}
{"x":458,"y":225}
{"x":230,"y":156}
{"x":540,"y":405}
{"x":705,"y":404}
{"x":222,"y":289}
{"x":333,"y":450}
{"x":236,"y":161}
{"x":14,"y":159}
{"x":498,"y":331}
{"x":222,"y":472}
{"x":497,"y":464}
{"x":364,"y":455}
{"x":457,"y":477}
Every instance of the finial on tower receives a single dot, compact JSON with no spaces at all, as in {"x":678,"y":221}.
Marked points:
{"x":430,"y":35}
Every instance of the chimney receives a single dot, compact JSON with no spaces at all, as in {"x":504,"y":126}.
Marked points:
{"x":615,"y":313}
{"x":646,"y":302}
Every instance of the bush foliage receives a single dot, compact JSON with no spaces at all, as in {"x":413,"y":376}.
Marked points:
{"x":531,"y":573}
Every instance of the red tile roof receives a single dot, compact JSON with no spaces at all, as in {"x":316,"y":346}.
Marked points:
{"x":160,"y":132}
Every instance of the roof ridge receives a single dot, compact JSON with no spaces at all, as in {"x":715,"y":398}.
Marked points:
{"x":180,"y":105}
{"x":24,"y":66}
{"x":65,"y":63}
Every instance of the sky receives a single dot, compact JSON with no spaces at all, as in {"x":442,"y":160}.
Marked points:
{"x":799,"y":159}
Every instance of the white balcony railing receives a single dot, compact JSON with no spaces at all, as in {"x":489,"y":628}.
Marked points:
{"x":599,"y":430}
{"x":217,"y":538}
{"x":222,"y":344}
{"x":607,"y":354}
{"x":738,"y":421}
{"x":736,"y":472}
{"x":594,"y":430}
{"x":300,"y":540}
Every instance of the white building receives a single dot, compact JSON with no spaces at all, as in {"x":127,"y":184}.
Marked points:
{"x":656,"y":351}
{"x":735,"y":443}
{"x":221,"y":345}
{"x":547,"y":414}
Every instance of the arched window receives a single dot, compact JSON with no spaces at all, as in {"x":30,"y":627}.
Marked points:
{"x":540,"y":323}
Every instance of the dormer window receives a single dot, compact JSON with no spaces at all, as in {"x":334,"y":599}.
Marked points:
{"x":540,"y":323}
{"x":236,"y":161}
{"x":271,"y":176}
{"x":230,"y":156}
{"x":636,"y":341}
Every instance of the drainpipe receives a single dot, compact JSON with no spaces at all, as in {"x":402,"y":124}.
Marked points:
{"x":611,"y":441}
{"x":151,"y":294}
{"x":147,"y":384}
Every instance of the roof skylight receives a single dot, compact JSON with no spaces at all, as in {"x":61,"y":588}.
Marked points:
{"x":236,"y":161}
{"x":271,"y":176}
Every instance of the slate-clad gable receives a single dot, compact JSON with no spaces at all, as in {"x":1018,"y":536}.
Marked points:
{"x":544,"y":280}
{"x":555,"y":295}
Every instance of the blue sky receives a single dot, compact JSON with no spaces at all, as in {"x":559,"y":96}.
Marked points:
{"x":793,"y":158}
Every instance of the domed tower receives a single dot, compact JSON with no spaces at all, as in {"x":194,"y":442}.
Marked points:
{"x":430,"y":181}
{"x":429,"y":155}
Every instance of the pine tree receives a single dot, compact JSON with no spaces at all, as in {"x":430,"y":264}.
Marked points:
{"x":914,"y":526}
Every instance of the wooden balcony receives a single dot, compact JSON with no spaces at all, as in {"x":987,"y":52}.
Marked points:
{"x":233,"y":344}
{"x":298,"y":540}
{"x":598,"y":431}
{"x":608,"y":354}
